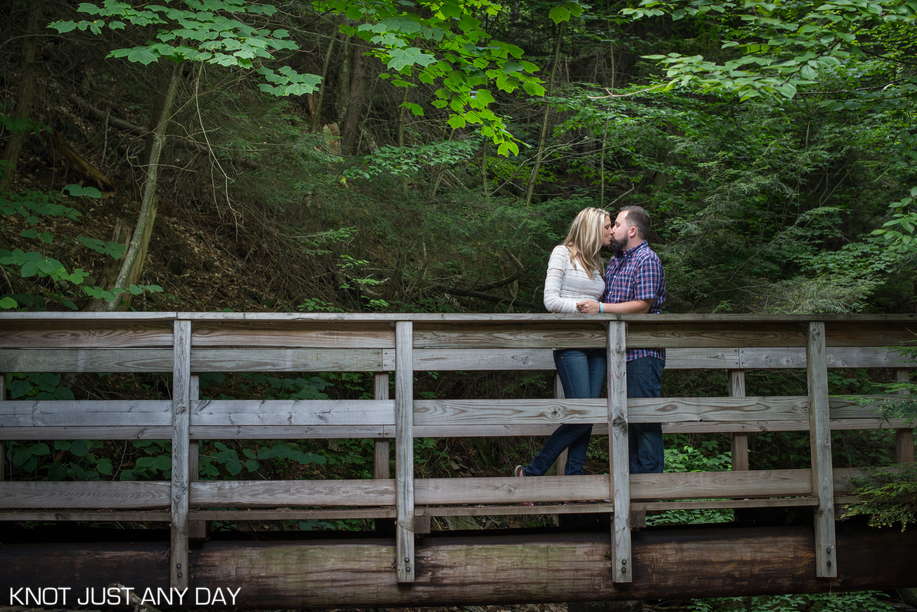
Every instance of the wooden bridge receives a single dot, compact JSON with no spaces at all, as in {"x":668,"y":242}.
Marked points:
{"x":410,"y":567}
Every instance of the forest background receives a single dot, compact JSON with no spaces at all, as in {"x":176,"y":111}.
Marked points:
{"x":418,"y":156}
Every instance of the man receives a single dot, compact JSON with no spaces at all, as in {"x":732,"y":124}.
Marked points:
{"x":635,"y":284}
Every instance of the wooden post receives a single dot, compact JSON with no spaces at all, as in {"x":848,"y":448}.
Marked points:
{"x":381,"y":470}
{"x":2,"y":442}
{"x":181,"y":429}
{"x":820,"y":439}
{"x":404,"y":451}
{"x":559,"y":394}
{"x":904,"y":438}
{"x":619,"y":468}
{"x":196,"y":529}
{"x":739,"y":440}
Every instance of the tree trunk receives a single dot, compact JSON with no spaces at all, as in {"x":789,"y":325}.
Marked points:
{"x":317,"y":113}
{"x":530,"y":188}
{"x":132,"y":263}
{"x":26,"y":90}
{"x":350,"y":128}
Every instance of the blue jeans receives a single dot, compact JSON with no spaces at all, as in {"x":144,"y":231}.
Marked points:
{"x":644,"y":379}
{"x":582,"y":373}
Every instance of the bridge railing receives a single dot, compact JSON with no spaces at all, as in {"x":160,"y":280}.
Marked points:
{"x":189,"y":344}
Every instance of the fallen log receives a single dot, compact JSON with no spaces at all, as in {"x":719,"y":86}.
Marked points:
{"x":475,"y":569}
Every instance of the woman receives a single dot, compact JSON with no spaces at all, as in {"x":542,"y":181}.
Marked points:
{"x":575,"y":274}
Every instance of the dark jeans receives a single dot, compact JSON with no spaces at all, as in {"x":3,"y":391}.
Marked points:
{"x":644,"y":379}
{"x":582,"y":373}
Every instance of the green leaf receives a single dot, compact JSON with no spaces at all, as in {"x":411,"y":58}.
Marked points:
{"x":7,"y":303}
{"x":559,"y":14}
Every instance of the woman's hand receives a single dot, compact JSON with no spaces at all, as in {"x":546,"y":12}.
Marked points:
{"x":588,"y":307}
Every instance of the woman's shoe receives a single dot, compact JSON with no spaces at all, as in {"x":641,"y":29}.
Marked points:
{"x":520,"y":474}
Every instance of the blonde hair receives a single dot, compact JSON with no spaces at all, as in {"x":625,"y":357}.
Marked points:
{"x":586,"y":238}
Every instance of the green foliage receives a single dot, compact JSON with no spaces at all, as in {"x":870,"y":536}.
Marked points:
{"x":70,"y":460}
{"x":681,"y":456}
{"x":856,"y":601}
{"x":32,"y":206}
{"x":45,"y":386}
{"x":204,"y":32}
{"x":409,"y":161}
{"x":889,"y":496}
{"x":445,"y":43}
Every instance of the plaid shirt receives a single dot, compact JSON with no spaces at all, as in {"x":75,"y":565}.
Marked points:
{"x":636,"y":275}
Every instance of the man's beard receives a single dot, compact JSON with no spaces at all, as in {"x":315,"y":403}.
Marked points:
{"x":618,"y":246}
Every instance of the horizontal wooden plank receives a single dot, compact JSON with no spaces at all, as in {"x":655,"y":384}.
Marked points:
{"x":700,"y":485}
{"x":510,"y":490}
{"x":311,"y":359}
{"x":837,"y":357}
{"x":600,"y":507}
{"x":531,"y":336}
{"x":640,"y":410}
{"x":292,"y":334}
{"x":260,"y":493}
{"x":714,"y":335}
{"x":79,"y":495}
{"x":52,"y":331}
{"x":291,"y":360}
{"x":86,"y":433}
{"x":100,"y":517}
{"x":870,"y":333}
{"x":86,"y":360}
{"x":297,"y":413}
{"x":294,"y":432}
{"x":84,"y":413}
{"x":291,"y":514}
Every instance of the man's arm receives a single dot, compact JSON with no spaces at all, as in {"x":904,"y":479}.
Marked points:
{"x":632,"y":307}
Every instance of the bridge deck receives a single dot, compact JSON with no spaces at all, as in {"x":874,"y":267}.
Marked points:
{"x":189,"y":344}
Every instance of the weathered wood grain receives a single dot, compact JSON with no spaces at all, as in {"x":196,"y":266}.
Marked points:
{"x":714,"y":335}
{"x":2,"y":442}
{"x":265,"y":493}
{"x":86,"y":360}
{"x":484,"y":568}
{"x":83,"y":495}
{"x":870,"y":333}
{"x":617,"y":414}
{"x":303,"y":334}
{"x":179,"y":570}
{"x":738,"y":441}
{"x":291,"y":432}
{"x":382,"y":448}
{"x":105,"y":516}
{"x":589,"y":334}
{"x":405,"y":568}
{"x":509,"y":490}
{"x":290,"y":360}
{"x":640,"y":410}
{"x":294,"y":514}
{"x":836,"y":357}
{"x":820,"y":440}
{"x":904,"y":438}
{"x":85,"y":413}
{"x":56,"y":331}
{"x":700,"y":485}
{"x":293,"y":413}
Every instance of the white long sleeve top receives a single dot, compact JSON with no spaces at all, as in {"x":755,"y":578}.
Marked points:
{"x":568,"y":283}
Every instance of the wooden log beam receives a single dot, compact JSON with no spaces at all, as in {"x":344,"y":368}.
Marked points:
{"x":489,"y":568}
